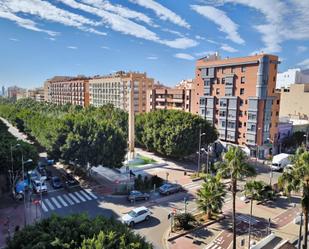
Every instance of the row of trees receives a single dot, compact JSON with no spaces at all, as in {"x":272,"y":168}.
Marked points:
{"x":80,"y":135}
{"x":77,"y":231}
{"x":99,"y":135}
{"x":11,"y":152}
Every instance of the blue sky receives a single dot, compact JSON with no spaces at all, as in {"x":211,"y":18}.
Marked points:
{"x":40,"y":39}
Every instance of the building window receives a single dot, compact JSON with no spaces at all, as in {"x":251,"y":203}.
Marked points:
{"x":242,"y":91}
{"x":223,"y":69}
{"x":240,"y":124}
{"x":240,"y":113}
{"x":246,"y":102}
{"x":274,"y":78}
{"x":277,"y":113}
{"x":218,"y":80}
{"x":232,"y":69}
{"x":278,"y":101}
{"x":243,"y":69}
{"x":245,"y":124}
{"x":218,"y":91}
{"x":241,"y":102}
{"x":242,"y":80}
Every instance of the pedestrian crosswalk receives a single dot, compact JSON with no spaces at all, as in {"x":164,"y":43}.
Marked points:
{"x":213,"y":246}
{"x":192,"y":185}
{"x":68,"y":199}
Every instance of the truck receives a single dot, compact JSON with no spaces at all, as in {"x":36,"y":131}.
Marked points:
{"x":280,"y":161}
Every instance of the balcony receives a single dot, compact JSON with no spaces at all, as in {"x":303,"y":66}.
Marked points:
{"x":160,"y":99}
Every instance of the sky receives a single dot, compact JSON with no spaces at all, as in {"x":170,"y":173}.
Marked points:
{"x":40,"y":39}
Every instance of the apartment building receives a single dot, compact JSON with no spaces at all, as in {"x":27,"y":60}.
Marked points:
{"x":237,"y":95}
{"x":292,"y":76}
{"x":115,"y":88}
{"x":36,"y":94}
{"x":16,"y":93}
{"x":61,"y":90}
{"x":295,"y":102}
{"x":178,"y":98}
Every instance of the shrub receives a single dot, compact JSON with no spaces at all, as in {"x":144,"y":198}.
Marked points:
{"x":184,"y":220}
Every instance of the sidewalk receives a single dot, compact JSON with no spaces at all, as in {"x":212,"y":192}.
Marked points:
{"x":13,"y":217}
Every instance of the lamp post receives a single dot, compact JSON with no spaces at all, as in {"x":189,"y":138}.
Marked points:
{"x":199,"y":150}
{"x":271,"y":170}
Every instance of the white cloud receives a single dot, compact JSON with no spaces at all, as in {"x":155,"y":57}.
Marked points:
{"x":301,"y":49}
{"x":204,"y":53}
{"x":212,"y":41}
{"x":14,"y":39}
{"x":200,"y":37}
{"x":304,"y":64}
{"x":283,"y":21}
{"x":45,"y":11}
{"x":105,"y":47}
{"x":119,"y":10}
{"x":181,"y":43}
{"x":220,"y":18}
{"x":228,"y":48}
{"x":51,"y":38}
{"x":152,"y":58}
{"x":162,"y":12}
{"x":72,"y":47}
{"x":184,"y":56}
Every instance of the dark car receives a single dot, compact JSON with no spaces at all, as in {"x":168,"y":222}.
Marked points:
{"x":56,"y":182}
{"x":169,"y":188}
{"x":70,"y":180}
{"x":137,"y":195}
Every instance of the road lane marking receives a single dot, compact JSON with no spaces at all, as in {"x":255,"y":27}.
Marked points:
{"x":56,"y":202}
{"x":85,"y":195}
{"x":62,"y":201}
{"x":68,"y":199}
{"x":91,"y":194}
{"x":79,"y":196}
{"x":49,"y":204}
{"x":74,"y":198}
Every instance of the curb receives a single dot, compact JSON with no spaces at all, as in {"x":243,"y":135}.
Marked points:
{"x":165,"y":239}
{"x":194,"y":229}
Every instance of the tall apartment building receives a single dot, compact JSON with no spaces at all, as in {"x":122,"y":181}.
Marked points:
{"x":292,"y":76}
{"x":178,"y":98}
{"x":237,"y":95}
{"x":61,"y":90}
{"x":115,"y":88}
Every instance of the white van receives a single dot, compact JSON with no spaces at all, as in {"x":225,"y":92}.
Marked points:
{"x":280,"y":161}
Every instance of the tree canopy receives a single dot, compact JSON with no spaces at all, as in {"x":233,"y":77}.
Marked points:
{"x":80,"y":135}
{"x":172,"y":133}
{"x":77,"y":231}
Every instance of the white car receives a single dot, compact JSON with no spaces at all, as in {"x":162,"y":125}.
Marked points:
{"x":39,"y":186}
{"x":136,"y":215}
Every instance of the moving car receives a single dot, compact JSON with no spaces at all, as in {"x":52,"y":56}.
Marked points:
{"x":280,"y":161}
{"x":137,"y":195}
{"x":39,"y":186}
{"x":136,"y":215}
{"x":56,"y":182}
{"x":169,"y":188}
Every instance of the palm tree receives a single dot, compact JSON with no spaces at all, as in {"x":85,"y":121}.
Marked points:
{"x":298,"y":179}
{"x":235,"y":165}
{"x":254,"y":190}
{"x":211,"y":195}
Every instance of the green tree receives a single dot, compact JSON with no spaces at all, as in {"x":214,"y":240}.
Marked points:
{"x":77,"y":231}
{"x":235,"y":165}
{"x":298,"y":180}
{"x":210,"y":197}
{"x":184,"y":220}
{"x":172,"y":133}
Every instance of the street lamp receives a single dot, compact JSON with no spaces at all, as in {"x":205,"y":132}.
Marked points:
{"x":271,"y":170}
{"x":23,"y":172}
{"x":199,"y":150}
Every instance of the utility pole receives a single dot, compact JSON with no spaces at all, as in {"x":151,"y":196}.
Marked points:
{"x":199,"y":150}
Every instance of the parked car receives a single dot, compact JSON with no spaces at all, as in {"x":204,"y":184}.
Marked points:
{"x":56,"y":182}
{"x":137,"y":195}
{"x":39,"y":186}
{"x":168,"y":188}
{"x":136,"y":215}
{"x":70,"y":180}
